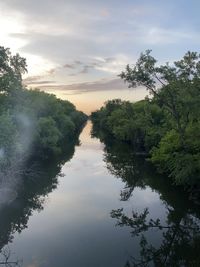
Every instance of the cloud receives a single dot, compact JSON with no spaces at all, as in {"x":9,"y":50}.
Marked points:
{"x":77,"y":66}
{"x":69,"y":66}
{"x":79,"y":88}
{"x":60,"y":36}
{"x":163,"y":36}
{"x":83,"y":41}
{"x":43,"y":78}
{"x":38,"y":83}
{"x":86,"y":69}
{"x":104,"y":64}
{"x":52,"y":71}
{"x":31,"y":79}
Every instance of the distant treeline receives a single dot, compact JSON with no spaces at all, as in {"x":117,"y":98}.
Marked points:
{"x":166,"y":126}
{"x":32,"y":123}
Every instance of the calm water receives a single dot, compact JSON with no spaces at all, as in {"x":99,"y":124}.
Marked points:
{"x":66,"y":220}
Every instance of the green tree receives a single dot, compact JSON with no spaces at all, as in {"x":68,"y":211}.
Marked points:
{"x":11,"y":70}
{"x":8,"y":135}
{"x":48,"y":136}
{"x":174,"y":86}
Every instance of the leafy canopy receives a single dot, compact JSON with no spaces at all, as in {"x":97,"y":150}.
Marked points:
{"x":11,"y":69}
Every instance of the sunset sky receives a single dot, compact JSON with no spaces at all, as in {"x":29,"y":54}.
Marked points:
{"x":75,"y":49}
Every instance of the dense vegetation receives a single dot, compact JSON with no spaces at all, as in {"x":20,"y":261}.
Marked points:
{"x":33,"y":124}
{"x":165,"y":126}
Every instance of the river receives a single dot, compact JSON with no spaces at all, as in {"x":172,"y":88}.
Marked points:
{"x":74,"y":223}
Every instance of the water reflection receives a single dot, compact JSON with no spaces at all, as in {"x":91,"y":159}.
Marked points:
{"x":76,"y":228}
{"x":178,"y":234}
{"x":39,"y":179}
{"x":7,"y":260}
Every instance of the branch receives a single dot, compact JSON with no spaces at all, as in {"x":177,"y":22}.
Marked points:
{"x":156,"y":76}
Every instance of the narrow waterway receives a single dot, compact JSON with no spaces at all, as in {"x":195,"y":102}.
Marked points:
{"x":74,"y":227}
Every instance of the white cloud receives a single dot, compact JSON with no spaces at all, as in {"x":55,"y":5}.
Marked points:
{"x":9,"y":25}
{"x":37,"y":65}
{"x":159,"y":36}
{"x":61,"y":32}
{"x":113,"y":65}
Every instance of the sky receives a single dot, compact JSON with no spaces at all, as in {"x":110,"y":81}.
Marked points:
{"x":76,"y":49}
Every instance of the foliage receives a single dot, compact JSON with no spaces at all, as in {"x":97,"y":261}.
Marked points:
{"x":175,"y":87}
{"x":11,"y":70}
{"x":8,"y":133}
{"x":48,"y":135}
{"x":140,"y":124}
{"x":32,"y":123}
{"x":165,"y":126}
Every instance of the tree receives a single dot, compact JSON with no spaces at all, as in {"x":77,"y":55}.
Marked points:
{"x":11,"y":70}
{"x":48,"y":136}
{"x":174,"y":86}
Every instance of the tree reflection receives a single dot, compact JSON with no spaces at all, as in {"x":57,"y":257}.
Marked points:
{"x":38,"y":180}
{"x":6,"y":260}
{"x":122,"y":163}
{"x":178,"y":234}
{"x":180,"y":239}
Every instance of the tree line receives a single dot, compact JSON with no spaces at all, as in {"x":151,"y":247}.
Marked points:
{"x":33,"y":124}
{"x":166,"y":125}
